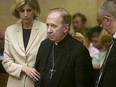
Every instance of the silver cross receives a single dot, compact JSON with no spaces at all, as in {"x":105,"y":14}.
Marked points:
{"x":51,"y":72}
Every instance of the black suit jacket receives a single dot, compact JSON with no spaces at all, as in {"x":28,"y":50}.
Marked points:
{"x":74,"y":68}
{"x":108,"y":78}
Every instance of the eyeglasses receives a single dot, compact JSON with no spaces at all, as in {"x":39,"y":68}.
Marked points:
{"x":103,"y":19}
{"x":100,"y":24}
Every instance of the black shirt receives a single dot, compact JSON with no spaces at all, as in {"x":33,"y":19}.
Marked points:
{"x":56,"y":49}
{"x":26,"y":36}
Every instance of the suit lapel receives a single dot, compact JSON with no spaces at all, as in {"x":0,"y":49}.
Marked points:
{"x":45,"y":52}
{"x":42,"y":57}
{"x":19,"y":36}
{"x":109,"y":58}
{"x":33,"y":35}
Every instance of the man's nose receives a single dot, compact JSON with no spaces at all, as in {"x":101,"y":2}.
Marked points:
{"x":49,"y":29}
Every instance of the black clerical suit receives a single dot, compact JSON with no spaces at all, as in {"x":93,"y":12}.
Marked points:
{"x":73,"y":66}
{"x":108,"y":77}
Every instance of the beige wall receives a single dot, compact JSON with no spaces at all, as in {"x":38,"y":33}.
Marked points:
{"x":87,"y":7}
{"x":5,"y":17}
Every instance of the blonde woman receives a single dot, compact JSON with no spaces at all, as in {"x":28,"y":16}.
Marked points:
{"x":80,"y":37}
{"x":105,"y":42}
{"x":22,"y":41}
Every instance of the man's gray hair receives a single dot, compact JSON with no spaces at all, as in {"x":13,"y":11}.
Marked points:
{"x":107,"y":8}
{"x":64,"y":14}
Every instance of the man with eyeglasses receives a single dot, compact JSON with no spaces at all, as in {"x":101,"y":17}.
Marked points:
{"x":107,"y":15}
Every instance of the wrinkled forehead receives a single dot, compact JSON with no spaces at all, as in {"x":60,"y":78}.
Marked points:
{"x":55,"y":15}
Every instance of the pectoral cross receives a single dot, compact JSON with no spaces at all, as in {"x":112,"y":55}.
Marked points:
{"x":52,"y":72}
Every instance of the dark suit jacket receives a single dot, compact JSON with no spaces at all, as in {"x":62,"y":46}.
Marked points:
{"x":108,"y":78}
{"x":74,"y":68}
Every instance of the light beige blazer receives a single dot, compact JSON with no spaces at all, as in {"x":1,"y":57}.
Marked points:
{"x":15,"y":55}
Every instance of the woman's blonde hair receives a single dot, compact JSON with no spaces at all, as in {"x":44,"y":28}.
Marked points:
{"x":104,"y":38}
{"x":20,"y":3}
{"x":80,"y":37}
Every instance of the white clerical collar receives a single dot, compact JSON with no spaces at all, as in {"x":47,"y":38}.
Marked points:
{"x":114,"y":35}
{"x":56,"y":43}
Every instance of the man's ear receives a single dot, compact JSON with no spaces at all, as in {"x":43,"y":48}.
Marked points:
{"x":67,"y":27}
{"x":107,"y":19}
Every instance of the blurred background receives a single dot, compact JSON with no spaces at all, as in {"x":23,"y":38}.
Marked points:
{"x":86,"y":7}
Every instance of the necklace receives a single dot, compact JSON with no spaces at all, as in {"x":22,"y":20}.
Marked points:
{"x":52,"y":70}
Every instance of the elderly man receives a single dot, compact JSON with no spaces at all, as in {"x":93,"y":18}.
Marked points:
{"x":62,"y":60}
{"x":107,"y":15}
